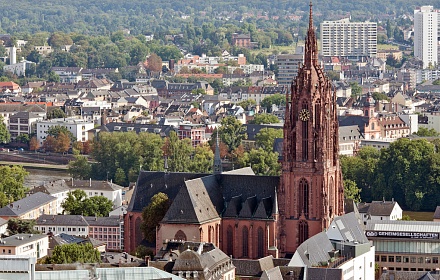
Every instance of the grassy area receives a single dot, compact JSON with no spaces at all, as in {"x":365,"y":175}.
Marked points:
{"x":419,"y":216}
{"x":275,"y":49}
{"x":387,"y":47}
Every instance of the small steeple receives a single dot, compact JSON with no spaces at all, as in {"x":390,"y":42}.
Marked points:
{"x":217,"y":168}
{"x":311,"y":47}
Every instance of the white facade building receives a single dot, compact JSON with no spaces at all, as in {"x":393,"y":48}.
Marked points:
{"x":380,"y":211}
{"x":33,"y":245}
{"x":19,"y":68}
{"x":17,"y":267}
{"x":425,"y":35}
{"x":345,"y":38}
{"x":78,"y":127}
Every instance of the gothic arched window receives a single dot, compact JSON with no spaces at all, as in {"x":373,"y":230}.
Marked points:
{"x":303,"y":198}
{"x":245,"y":242}
{"x":303,"y":231}
{"x":260,"y":241}
{"x":229,"y":241}
{"x":305,"y":134}
{"x":180,"y":235}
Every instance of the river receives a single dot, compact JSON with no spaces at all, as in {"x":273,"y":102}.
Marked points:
{"x":37,"y":177}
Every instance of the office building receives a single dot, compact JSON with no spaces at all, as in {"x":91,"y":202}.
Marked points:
{"x":349,"y":39}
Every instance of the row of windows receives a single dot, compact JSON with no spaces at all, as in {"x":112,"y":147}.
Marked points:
{"x":413,"y":247}
{"x":406,"y":259}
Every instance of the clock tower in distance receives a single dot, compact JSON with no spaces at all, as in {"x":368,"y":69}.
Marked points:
{"x":311,"y":191}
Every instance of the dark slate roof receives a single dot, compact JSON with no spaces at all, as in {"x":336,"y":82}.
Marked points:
{"x":437,"y":213}
{"x":192,"y":205}
{"x":162,"y":130}
{"x":350,"y":229}
{"x":360,"y":121}
{"x":253,"y":267}
{"x":249,"y":206}
{"x":377,"y":208}
{"x":112,"y":221}
{"x":64,"y":238}
{"x":150,"y":183}
{"x":54,"y":220}
{"x":22,"y":206}
{"x":233,"y":208}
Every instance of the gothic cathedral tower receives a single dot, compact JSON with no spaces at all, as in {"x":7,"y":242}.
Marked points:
{"x":311,"y":191}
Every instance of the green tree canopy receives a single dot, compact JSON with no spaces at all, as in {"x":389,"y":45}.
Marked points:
{"x":275,"y":99}
{"x":179,"y":153}
{"x":203,"y":160}
{"x":351,"y":191}
{"x":265,"y":138}
{"x":77,"y":203}
{"x":5,"y":136}
{"x":232,"y":132}
{"x":79,"y":168}
{"x":153,"y":214}
{"x":262,"y":162}
{"x":265,"y":119}
{"x":12,"y":181}
{"x":424,"y":132}
{"x":16,"y":226}
{"x":74,"y":253}
{"x":56,"y":113}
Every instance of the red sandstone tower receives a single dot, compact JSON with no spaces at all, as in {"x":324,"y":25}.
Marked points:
{"x":311,"y":191}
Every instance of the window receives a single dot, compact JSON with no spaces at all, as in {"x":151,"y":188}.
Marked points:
{"x":303,"y":197}
{"x":406,"y":259}
{"x":435,"y":260}
{"x":245,"y":244}
{"x":303,"y":231}
{"x":390,"y":258}
{"x":229,"y":241}
{"x":383,"y":258}
{"x":412,"y":259}
{"x":398,"y":259}
{"x":260,"y":241}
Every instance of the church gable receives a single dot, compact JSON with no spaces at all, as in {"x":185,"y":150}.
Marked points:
{"x":192,"y":205}
{"x":264,"y":210}
{"x":248,"y":208}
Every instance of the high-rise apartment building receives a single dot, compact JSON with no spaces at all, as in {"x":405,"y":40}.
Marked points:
{"x":288,"y":66}
{"x":349,"y":39}
{"x":426,"y":35}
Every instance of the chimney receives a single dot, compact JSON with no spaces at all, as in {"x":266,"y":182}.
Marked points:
{"x":90,"y":182}
{"x":147,"y":260}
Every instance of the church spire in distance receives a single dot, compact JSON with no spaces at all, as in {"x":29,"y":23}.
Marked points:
{"x":218,"y":169}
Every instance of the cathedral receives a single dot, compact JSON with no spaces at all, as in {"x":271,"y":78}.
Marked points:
{"x":249,"y":216}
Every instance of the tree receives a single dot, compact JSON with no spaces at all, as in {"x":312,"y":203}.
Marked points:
{"x":380,"y":96}
{"x":56,"y":113}
{"x":77,"y":203}
{"x":74,"y":253}
{"x":79,"y":168}
{"x":62,"y":143}
{"x":12,"y":181}
{"x":5,"y":136}
{"x":424,"y":132}
{"x":56,"y":130}
{"x":265,"y":119}
{"x":356,"y":89}
{"x":351,"y":191}
{"x":53,"y":77}
{"x":153,"y":214}
{"x":120,"y":177}
{"x":23,"y":138}
{"x":261,"y":161}
{"x":265,"y":138}
{"x":247,"y":103}
{"x":154,"y":63}
{"x":142,"y":252}
{"x":203,"y":160}
{"x":50,"y":143}
{"x":275,"y":99}
{"x":179,"y":153}
{"x":17,"y":226}
{"x":232,"y":132}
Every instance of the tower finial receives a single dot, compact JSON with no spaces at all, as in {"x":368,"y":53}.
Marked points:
{"x":217,"y":159}
{"x":311,"y":47}
{"x":311,"y":16}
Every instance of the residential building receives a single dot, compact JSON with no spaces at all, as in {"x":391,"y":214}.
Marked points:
{"x":68,"y":74}
{"x":380,"y":210}
{"x":194,"y":132}
{"x":30,"y":207}
{"x":107,"y":189}
{"x":77,"y":127}
{"x":10,"y":87}
{"x":241,"y":40}
{"x":19,"y":68}
{"x":106,"y":229}
{"x":392,"y":126}
{"x":426,"y":35}
{"x":405,"y":245}
{"x":33,"y":245}
{"x":288,"y":66}
{"x":23,"y":123}
{"x":43,"y":50}
{"x":348,"y":39}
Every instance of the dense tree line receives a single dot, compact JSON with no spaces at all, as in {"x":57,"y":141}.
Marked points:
{"x":408,"y":171}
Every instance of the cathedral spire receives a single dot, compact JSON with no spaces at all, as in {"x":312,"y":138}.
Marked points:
{"x":311,"y":48}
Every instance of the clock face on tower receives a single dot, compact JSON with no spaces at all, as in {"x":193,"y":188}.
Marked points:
{"x":304,"y":115}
